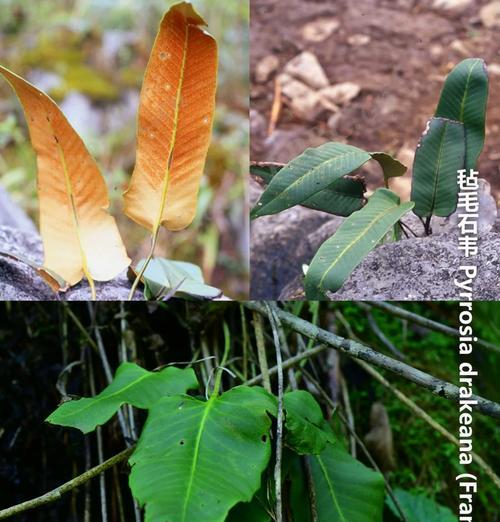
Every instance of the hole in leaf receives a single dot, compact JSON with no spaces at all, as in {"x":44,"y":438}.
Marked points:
{"x":181,"y":442}
{"x":264,"y":438}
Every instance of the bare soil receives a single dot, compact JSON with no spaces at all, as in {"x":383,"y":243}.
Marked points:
{"x":400,"y":70}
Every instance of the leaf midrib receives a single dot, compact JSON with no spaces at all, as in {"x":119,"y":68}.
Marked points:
{"x":351,"y":244}
{"x":330,"y":488}
{"x":166,"y":179}
{"x":71,"y":198}
{"x":196,"y":453}
{"x":110,"y":396}
{"x":438,"y":167}
{"x":282,"y":194}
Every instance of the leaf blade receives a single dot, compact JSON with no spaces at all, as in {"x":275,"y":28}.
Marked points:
{"x":346,"y":490}
{"x":307,"y":174}
{"x":391,"y":167}
{"x":72,"y":194}
{"x":339,"y":255}
{"x":132,"y":385}
{"x":343,"y":197}
{"x":440,"y":153}
{"x":176,"y":109}
{"x":463,"y":98}
{"x":193,"y":435}
{"x":307,"y":430}
{"x":164,"y":275}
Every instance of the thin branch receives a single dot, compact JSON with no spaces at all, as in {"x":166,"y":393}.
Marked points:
{"x":382,"y":337}
{"x":279,"y":421}
{"x":422,"y":321}
{"x":58,"y":492}
{"x":261,"y":350}
{"x":419,"y":412}
{"x":359,"y":351}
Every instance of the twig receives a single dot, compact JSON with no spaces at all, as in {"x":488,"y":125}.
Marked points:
{"x":382,"y":338}
{"x":427,"y":418}
{"x":348,"y":411}
{"x":58,"y":492}
{"x":421,"y":413}
{"x":107,"y":370}
{"x":288,"y":363}
{"x":261,"y":351}
{"x":422,"y":321}
{"x":276,"y":108}
{"x":359,"y":351}
{"x":100,"y":452}
{"x":279,"y":421}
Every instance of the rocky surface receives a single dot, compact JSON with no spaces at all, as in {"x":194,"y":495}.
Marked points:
{"x":422,"y":268}
{"x":279,"y":245}
{"x":415,"y":269}
{"x":20,"y":282}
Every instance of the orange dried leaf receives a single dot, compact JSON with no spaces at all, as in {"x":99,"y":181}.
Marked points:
{"x":176,"y":110}
{"x":79,"y":236}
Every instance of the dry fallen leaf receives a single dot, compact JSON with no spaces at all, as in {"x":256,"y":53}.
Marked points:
{"x":79,"y":237}
{"x":176,"y":110}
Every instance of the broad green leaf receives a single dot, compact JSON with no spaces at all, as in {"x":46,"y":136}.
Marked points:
{"x":419,"y":508}
{"x":439,"y":154}
{"x":299,"y":490}
{"x":132,"y":385}
{"x":391,"y":167}
{"x":463,"y":99}
{"x":307,"y":430}
{"x":163,"y":276}
{"x":343,"y":197}
{"x":345,"y":489}
{"x":339,"y":255}
{"x":196,"y":459}
{"x":307,"y":174}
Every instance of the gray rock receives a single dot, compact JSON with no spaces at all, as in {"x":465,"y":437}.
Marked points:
{"x":12,"y":215}
{"x":20,"y":282}
{"x":280,"y":244}
{"x":417,"y":269}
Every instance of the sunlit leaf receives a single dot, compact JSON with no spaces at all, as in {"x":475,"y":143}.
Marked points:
{"x":132,"y":385}
{"x":360,"y":233}
{"x":463,"y":98}
{"x":174,"y":123}
{"x":196,"y":459}
{"x":439,"y":155}
{"x":79,"y":236}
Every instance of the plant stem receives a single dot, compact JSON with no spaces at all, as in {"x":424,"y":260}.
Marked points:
{"x":279,"y":420}
{"x":58,"y":492}
{"x":261,"y":351}
{"x":154,"y":240}
{"x":427,"y":226}
{"x":359,"y":351}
